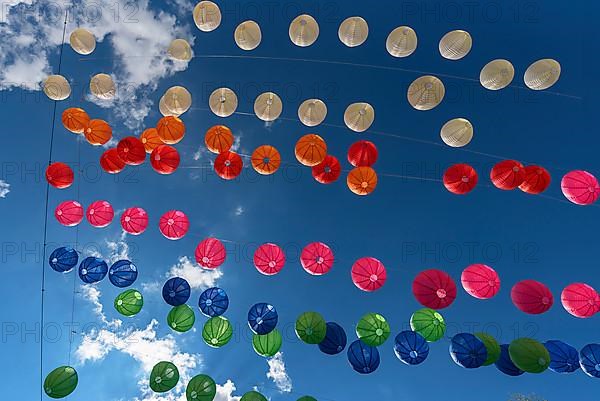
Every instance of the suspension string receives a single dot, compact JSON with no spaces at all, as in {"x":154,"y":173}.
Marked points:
{"x":342,"y":63}
{"x":384,"y":134}
{"x":45,"y":237}
{"x":71,"y":334}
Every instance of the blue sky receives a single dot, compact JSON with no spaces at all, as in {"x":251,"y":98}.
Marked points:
{"x":410,"y":225}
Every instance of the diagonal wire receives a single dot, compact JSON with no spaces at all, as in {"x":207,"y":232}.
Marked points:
{"x":43,"y":272}
{"x":72,"y":332}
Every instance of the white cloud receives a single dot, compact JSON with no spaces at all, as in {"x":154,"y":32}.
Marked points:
{"x":194,"y":274}
{"x":278,"y":374}
{"x":4,"y":188}
{"x":139,"y":39}
{"x":239,"y":210}
{"x":237,"y":141}
{"x":92,"y":294}
{"x":145,"y":347}
{"x":225,"y":392}
{"x":184,"y":7}
{"x":203,"y":153}
{"x":151,"y":287}
{"x":116,"y":249}
{"x":119,"y":249}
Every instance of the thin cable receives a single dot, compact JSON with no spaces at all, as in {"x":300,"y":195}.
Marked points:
{"x":43,"y":279}
{"x":80,"y":171}
{"x":380,"y":133}
{"x":344,"y":63}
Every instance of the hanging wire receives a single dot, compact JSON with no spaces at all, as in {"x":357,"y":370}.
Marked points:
{"x":43,"y":272}
{"x":80,"y":173}
{"x":342,"y":63}
{"x":385,"y":134}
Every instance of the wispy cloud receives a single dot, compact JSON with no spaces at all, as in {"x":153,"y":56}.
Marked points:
{"x":147,"y":349}
{"x":194,"y":274}
{"x":278,"y":374}
{"x":92,"y":294}
{"x":144,"y":346}
{"x":139,"y":47}
{"x":116,"y":249}
{"x":4,"y":188}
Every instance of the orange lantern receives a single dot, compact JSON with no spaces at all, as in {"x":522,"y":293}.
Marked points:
{"x":170,"y":130}
{"x":266,"y":160}
{"x":150,"y":139}
{"x":362,"y":180}
{"x":98,"y":132}
{"x":75,"y":119}
{"x":218,"y":139}
{"x":311,"y":150}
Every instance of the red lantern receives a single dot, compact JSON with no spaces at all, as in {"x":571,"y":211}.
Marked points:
{"x":316,"y":258}
{"x":507,"y":174}
{"x":327,"y":171}
{"x":69,"y":213}
{"x":131,"y":151}
{"x":537,"y":180}
{"x":210,"y":253}
{"x":480,"y":281}
{"x":368,"y":274}
{"x":531,"y":297}
{"x":174,"y":224}
{"x":59,"y":175}
{"x":164,"y":159}
{"x":460,"y":179}
{"x":362,"y":154}
{"x":228,"y":165}
{"x":580,"y":300}
{"x":100,"y":214}
{"x":269,"y":259}
{"x":134,"y":220}
{"x":434,"y":289}
{"x":111,"y":162}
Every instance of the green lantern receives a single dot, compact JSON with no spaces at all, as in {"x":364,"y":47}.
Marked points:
{"x":267,"y":345}
{"x":428,"y":323}
{"x":201,"y":388}
{"x":181,"y":318}
{"x":492,"y":347}
{"x":61,"y":382}
{"x":129,"y":303}
{"x":373,"y":329}
{"x":529,"y":355}
{"x":253,"y":396}
{"x":164,"y":377}
{"x":311,"y":327}
{"x":217,"y":331}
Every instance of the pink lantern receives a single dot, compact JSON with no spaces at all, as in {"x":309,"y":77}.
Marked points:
{"x":316,"y":258}
{"x":174,"y":224}
{"x":531,"y":297}
{"x":434,"y":289}
{"x":100,"y":214}
{"x":134,"y":220}
{"x":210,"y":253}
{"x":580,"y":300}
{"x":580,"y":187}
{"x":368,"y":274}
{"x":69,"y":213}
{"x":269,"y":259}
{"x":480,"y":281}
